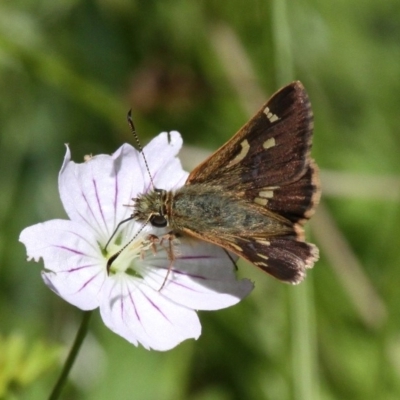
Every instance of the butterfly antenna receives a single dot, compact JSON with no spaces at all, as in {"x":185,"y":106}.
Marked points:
{"x":116,"y":229}
{"x":133,"y":130}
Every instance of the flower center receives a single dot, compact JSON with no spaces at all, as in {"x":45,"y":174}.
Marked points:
{"x":129,"y":260}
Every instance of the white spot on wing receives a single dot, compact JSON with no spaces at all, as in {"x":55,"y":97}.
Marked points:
{"x":243,"y":152}
{"x":269,"y":143}
{"x":271,"y":116}
{"x":263,"y":242}
{"x":269,"y":194}
{"x":261,"y":264}
{"x":260,"y":201}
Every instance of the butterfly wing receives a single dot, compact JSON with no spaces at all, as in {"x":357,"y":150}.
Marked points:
{"x":269,"y":241}
{"x":271,"y":152}
{"x":268,"y":164}
{"x":285,"y":257}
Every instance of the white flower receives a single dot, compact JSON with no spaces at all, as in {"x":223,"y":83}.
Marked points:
{"x":95,"y":195}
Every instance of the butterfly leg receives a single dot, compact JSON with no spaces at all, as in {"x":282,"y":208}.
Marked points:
{"x":154,"y":241}
{"x":170,"y":237}
{"x":231,"y":258}
{"x":157,"y":241}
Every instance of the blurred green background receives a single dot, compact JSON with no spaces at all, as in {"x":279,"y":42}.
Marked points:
{"x":69,"y":72}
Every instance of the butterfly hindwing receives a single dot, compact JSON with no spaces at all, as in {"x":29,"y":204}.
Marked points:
{"x":283,"y":257}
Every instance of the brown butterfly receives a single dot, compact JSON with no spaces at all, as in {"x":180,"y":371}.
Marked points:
{"x":253,"y":195}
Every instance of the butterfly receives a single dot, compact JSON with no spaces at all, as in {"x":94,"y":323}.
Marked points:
{"x":254,"y":194}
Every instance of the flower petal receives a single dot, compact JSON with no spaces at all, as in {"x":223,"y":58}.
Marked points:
{"x":75,"y":269}
{"x":166,"y":171}
{"x":94,"y":193}
{"x":202,"y":277}
{"x":142,"y":315}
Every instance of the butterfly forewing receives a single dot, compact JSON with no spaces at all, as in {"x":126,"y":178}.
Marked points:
{"x":271,"y":149}
{"x":295,"y":201}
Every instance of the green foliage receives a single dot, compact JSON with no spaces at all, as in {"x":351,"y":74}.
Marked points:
{"x":69,"y":72}
{"x":21,"y":363}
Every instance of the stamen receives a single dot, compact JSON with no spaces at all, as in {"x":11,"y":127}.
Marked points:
{"x":114,"y":256}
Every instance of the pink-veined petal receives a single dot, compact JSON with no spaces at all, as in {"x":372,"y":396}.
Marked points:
{"x":94,"y":192}
{"x":75,"y":269}
{"x":141,"y":315}
{"x":166,"y":171}
{"x":202,"y":276}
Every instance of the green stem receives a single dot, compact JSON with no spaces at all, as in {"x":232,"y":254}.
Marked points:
{"x":283,"y":55}
{"x":303,"y":335}
{"x":80,"y":336}
{"x":304,"y":369}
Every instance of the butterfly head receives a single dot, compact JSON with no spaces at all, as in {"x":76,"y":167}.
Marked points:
{"x":151,"y":207}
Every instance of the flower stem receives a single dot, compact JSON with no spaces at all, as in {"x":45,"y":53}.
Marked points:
{"x":80,"y":336}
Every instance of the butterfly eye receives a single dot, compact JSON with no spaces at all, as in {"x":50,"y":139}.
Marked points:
{"x":158,"y":221}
